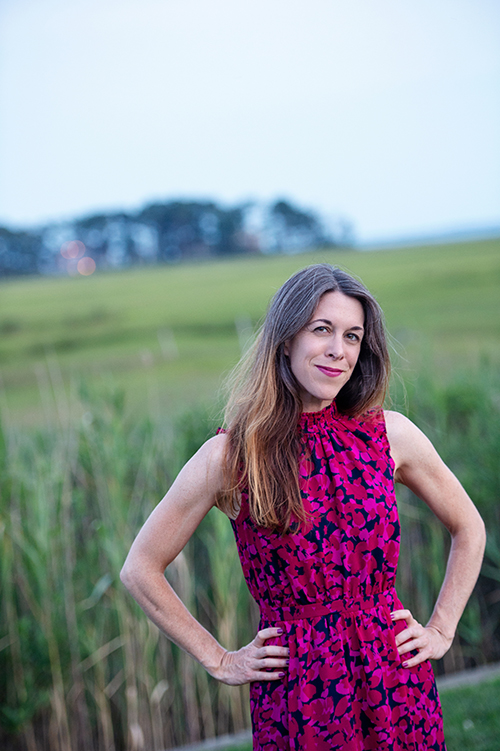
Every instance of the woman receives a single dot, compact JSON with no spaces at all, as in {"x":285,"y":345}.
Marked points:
{"x":306,"y":473}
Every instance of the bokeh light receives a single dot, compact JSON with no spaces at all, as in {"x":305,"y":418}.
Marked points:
{"x":72,"y":249}
{"x":86,"y":266}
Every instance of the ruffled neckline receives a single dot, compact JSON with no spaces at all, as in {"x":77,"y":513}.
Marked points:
{"x":322,"y":417}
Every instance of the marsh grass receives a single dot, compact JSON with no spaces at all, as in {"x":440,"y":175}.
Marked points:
{"x":80,"y":665}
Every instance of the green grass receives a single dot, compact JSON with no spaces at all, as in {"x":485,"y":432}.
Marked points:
{"x":472,"y":718}
{"x":175,"y":327}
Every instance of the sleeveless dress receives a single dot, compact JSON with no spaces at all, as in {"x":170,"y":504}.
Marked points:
{"x":330,"y":587}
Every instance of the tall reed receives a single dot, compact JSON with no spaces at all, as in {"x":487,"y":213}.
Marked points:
{"x":80,"y":665}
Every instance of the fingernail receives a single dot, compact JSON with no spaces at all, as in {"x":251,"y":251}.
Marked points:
{"x":287,"y":661}
{"x":281,"y":675}
{"x":393,"y":615}
{"x":280,"y":631}
{"x":405,"y":664}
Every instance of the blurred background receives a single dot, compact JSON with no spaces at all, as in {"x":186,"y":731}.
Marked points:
{"x":165,"y":167}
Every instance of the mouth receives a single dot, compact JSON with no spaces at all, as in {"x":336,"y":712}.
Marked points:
{"x":330,"y":372}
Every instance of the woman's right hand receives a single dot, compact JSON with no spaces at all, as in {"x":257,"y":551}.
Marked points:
{"x":250,"y":663}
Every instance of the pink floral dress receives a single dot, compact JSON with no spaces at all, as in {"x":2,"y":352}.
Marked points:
{"x":330,"y":586}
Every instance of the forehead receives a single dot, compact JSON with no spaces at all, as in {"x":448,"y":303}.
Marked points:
{"x":335,"y":306}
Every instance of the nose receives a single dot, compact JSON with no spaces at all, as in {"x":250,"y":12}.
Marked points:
{"x":335,"y":348}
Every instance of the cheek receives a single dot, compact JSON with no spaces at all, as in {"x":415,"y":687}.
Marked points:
{"x":354,"y":359}
{"x":296,"y":364}
{"x":293,"y":350}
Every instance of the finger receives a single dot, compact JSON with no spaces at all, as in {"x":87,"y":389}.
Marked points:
{"x":273,"y":650}
{"x":420,"y":657}
{"x":267,"y":633}
{"x":412,"y":645}
{"x":270,"y":662}
{"x":260,"y":676}
{"x":398,"y":615}
{"x":414,"y":632}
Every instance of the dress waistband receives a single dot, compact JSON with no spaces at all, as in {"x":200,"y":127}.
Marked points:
{"x":298,"y":611}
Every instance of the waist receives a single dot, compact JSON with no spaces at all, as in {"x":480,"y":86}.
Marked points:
{"x":298,"y":611}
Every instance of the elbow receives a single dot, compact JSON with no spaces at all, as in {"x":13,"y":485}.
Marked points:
{"x":480,"y":530}
{"x":127,"y":576}
{"x":481,"y":540}
{"x":472,"y":533}
{"x":136,"y":575}
{"x":482,"y":534}
{"x":124,"y":576}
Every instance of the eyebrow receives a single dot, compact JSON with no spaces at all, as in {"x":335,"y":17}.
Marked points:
{"x":325,"y":320}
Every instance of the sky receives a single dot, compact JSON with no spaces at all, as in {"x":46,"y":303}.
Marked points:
{"x":385,"y":112}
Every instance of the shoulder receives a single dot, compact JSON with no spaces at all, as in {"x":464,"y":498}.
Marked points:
{"x":408,"y":445}
{"x":205,"y":470}
{"x":400,"y":429}
{"x":397,"y":425}
{"x":214,"y":450}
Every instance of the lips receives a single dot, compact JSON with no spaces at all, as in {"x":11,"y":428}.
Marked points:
{"x":330,"y":372}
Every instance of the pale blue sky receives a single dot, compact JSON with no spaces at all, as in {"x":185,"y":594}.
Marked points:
{"x":384,"y":111}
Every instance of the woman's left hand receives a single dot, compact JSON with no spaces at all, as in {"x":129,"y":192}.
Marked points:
{"x":430,"y":643}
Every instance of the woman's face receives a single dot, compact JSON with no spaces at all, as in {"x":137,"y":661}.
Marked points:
{"x":323,"y":354}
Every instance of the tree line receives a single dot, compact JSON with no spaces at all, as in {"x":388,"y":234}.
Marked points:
{"x":167,"y":232}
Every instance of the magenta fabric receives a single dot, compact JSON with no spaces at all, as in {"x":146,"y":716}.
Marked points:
{"x":330,"y":586}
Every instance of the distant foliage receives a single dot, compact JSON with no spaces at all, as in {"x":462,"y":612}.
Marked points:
{"x":20,"y":253}
{"x":166,"y":233}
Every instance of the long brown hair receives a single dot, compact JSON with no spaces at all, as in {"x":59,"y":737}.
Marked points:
{"x":263,"y":410}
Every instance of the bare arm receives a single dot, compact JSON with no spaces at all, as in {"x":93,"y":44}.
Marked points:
{"x":419,"y":467}
{"x":160,"y":540}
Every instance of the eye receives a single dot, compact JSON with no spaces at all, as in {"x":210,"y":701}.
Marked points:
{"x":321,"y":329}
{"x":353,"y":337}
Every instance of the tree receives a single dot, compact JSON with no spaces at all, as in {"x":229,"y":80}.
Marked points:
{"x":20,"y":253}
{"x":293,"y":229}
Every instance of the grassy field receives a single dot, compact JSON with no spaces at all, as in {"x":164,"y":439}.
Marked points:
{"x":471,"y":717}
{"x":168,"y":334}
